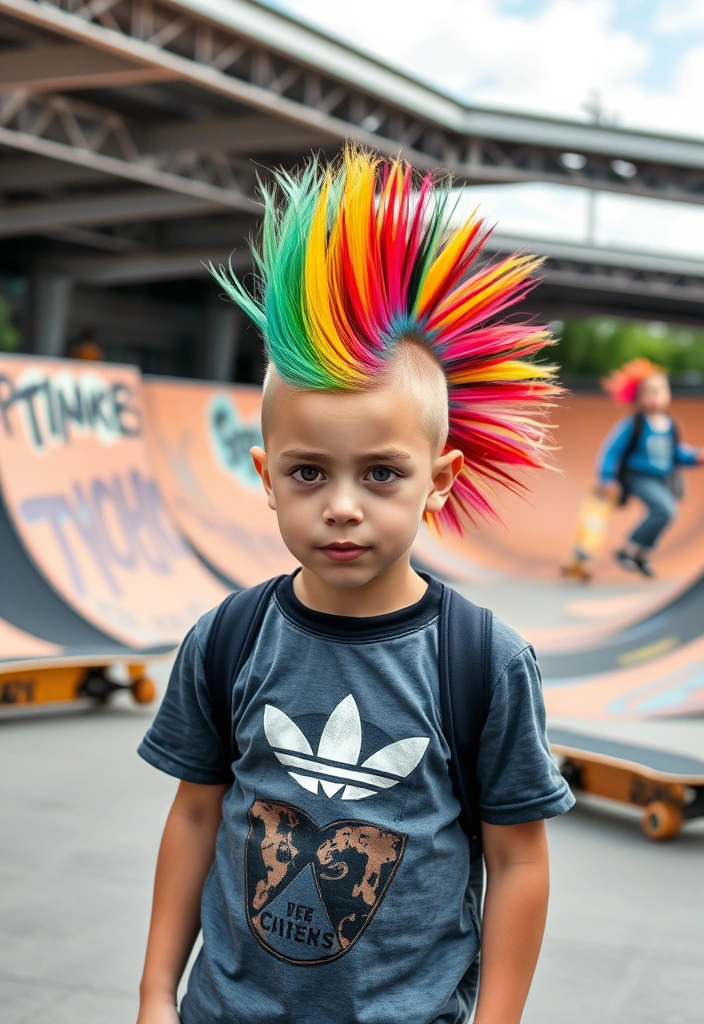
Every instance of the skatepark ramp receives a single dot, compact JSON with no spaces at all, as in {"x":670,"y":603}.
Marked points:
{"x":628,"y":647}
{"x":129,"y":507}
{"x":93,"y":569}
{"x":536,"y":533}
{"x":198,"y":437}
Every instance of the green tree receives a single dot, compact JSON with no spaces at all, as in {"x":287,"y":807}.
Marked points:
{"x":9,"y":335}
{"x":596,"y":345}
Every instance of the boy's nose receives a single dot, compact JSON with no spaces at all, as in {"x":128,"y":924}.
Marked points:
{"x":343,"y":507}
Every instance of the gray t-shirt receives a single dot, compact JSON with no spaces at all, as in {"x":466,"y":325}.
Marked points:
{"x":339,"y":886}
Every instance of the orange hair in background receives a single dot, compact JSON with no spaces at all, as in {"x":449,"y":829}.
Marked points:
{"x":623,"y":384}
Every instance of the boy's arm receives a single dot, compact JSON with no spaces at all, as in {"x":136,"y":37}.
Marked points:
{"x":185,"y":856}
{"x":515,"y":909}
{"x":688,"y":455}
{"x":613,"y":450}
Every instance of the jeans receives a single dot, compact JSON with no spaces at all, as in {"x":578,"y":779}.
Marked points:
{"x":654,"y":492}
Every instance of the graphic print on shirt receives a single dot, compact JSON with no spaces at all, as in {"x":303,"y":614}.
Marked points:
{"x":660,"y":449}
{"x":338,"y":750}
{"x":310,"y":890}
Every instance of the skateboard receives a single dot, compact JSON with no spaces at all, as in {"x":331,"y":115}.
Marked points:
{"x":594,"y":516}
{"x":668,"y":786}
{"x":60,"y":680}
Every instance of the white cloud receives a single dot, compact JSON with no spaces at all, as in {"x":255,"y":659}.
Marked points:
{"x":533,"y":210}
{"x":678,"y":16}
{"x":557,"y":213}
{"x":646,"y":224}
{"x":551,"y":63}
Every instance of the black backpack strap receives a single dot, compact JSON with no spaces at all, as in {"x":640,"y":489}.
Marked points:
{"x":465,"y":689}
{"x":638,"y":423}
{"x":675,"y":480}
{"x":230,"y":641}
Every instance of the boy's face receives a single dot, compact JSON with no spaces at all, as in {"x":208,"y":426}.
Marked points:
{"x":654,"y":394}
{"x":350,"y":475}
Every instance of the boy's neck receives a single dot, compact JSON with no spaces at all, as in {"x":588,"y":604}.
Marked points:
{"x":399,"y":587}
{"x":658,"y":418}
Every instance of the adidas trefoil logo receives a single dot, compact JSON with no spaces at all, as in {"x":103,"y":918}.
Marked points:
{"x":334,"y":767}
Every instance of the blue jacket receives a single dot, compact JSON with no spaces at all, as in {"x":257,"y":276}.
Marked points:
{"x":656,"y":453}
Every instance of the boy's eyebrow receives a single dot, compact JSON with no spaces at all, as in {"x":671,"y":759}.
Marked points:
{"x":378,"y":456}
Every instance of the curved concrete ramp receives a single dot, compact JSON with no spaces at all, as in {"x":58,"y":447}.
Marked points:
{"x":20,"y":648}
{"x":536,"y":534}
{"x":652,"y":668}
{"x":624,"y":647}
{"x":648,"y":686}
{"x":98,"y":562}
{"x":524,"y":552}
{"x":199,"y":436}
{"x":36,"y":623}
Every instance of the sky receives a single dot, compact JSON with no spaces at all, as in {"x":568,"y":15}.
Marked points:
{"x":643,"y":59}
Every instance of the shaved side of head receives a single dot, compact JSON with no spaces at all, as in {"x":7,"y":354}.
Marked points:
{"x":412,"y":373}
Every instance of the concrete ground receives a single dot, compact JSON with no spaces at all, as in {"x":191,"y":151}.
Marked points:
{"x":81,"y":819}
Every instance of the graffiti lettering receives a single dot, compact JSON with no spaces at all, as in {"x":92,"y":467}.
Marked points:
{"x":54,"y":410}
{"x":17,"y":691}
{"x":120,"y":523}
{"x":232,"y":440}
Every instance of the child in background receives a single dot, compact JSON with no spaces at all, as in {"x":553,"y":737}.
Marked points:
{"x":322,"y":851}
{"x":642,"y":456}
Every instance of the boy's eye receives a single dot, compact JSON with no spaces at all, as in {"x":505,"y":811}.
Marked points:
{"x":306,"y":474}
{"x":382,"y":474}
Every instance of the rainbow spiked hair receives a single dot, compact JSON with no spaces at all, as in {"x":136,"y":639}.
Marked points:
{"x":359,"y":257}
{"x":623,"y":384}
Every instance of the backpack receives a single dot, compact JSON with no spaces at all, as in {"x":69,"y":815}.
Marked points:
{"x":675,"y":480}
{"x":464,"y":654}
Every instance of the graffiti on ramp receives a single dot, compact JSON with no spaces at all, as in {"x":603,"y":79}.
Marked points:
{"x":199,"y":437}
{"x":79,"y":491}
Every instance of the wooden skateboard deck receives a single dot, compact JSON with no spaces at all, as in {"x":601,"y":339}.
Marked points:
{"x":594,"y":515}
{"x":66,"y":679}
{"x":668,"y":786}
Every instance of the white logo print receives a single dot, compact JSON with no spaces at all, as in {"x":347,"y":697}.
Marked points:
{"x":339,"y":748}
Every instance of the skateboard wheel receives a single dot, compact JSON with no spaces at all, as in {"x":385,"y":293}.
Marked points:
{"x":662,"y":820}
{"x":572,"y":774}
{"x":576,"y":572}
{"x":143,"y":690}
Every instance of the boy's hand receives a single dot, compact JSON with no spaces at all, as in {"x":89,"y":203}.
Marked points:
{"x":158,"y":1011}
{"x":609,"y":489}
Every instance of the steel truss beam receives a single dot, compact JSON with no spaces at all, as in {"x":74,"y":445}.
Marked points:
{"x":210,"y":48}
{"x":574,"y":276}
{"x":585,"y":279}
{"x":126,"y":206}
{"x":56,"y":68}
{"x":91,"y":137}
{"x":33,"y":174}
{"x":109,"y":271}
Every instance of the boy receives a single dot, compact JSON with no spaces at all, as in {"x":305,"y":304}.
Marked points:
{"x":641,"y":456}
{"x":337,"y":870}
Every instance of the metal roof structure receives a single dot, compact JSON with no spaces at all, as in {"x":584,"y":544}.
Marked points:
{"x":135,"y":129}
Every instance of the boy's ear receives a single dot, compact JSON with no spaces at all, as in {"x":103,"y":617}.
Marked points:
{"x":445,"y":471}
{"x":261,"y":464}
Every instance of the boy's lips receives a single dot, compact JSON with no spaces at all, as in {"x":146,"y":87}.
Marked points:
{"x":343,"y":552}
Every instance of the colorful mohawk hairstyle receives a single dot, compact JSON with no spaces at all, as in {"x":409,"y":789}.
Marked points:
{"x":623,"y":384}
{"x":361,"y":256}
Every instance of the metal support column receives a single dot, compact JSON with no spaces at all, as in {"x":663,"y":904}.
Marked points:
{"x":50,"y":299}
{"x":216,"y":360}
